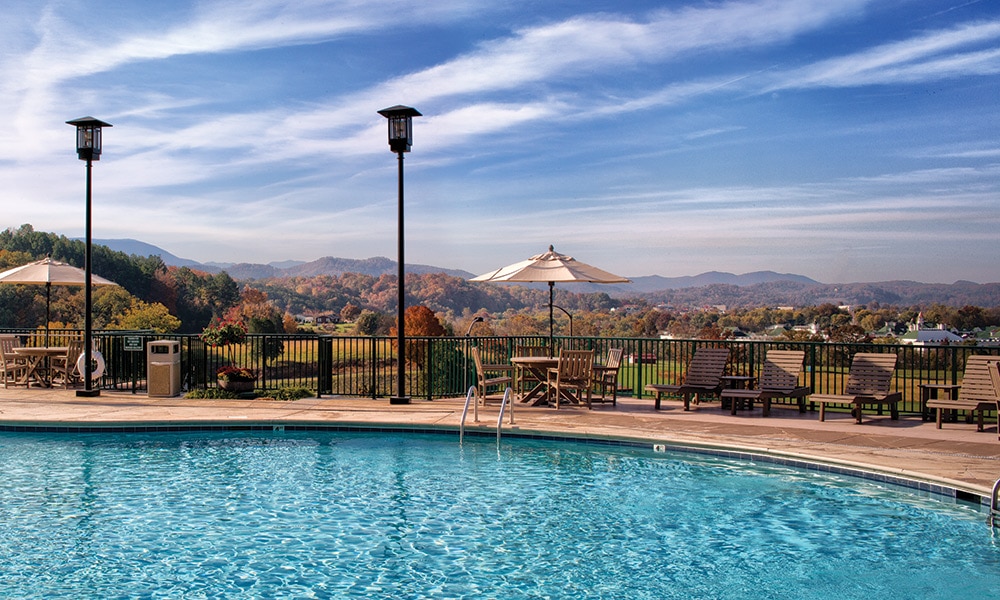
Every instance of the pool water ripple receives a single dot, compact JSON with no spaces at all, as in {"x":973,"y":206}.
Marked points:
{"x":319,"y":515}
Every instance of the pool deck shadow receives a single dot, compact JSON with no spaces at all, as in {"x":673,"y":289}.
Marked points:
{"x":956,"y":456}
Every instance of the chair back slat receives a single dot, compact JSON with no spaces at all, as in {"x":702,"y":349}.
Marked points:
{"x":614,"y":359}
{"x":706,"y":367}
{"x":8,"y":343}
{"x":870,"y":375}
{"x":977,"y":383}
{"x":479,"y":360}
{"x":576,"y":365}
{"x":781,"y":370}
{"x":995,"y":377}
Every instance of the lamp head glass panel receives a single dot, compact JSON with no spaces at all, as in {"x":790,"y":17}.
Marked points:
{"x":400,"y":126}
{"x":88,"y":137}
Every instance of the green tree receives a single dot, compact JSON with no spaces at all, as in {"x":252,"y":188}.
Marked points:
{"x":143,"y":315}
{"x":368,"y":323}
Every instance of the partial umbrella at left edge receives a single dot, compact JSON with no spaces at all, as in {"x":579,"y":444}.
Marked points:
{"x":50,"y":272}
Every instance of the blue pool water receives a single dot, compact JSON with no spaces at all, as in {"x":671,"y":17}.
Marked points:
{"x":369,"y":515}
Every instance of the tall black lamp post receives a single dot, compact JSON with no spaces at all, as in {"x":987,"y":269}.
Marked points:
{"x":400,"y":140}
{"x":88,"y":148}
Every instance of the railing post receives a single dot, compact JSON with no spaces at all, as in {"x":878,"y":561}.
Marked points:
{"x":429,"y":379}
{"x":324,"y":374}
{"x":374,"y":368}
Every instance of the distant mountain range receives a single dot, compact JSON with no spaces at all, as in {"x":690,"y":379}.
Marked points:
{"x":761,"y":288}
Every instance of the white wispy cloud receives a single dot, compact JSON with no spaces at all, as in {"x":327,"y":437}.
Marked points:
{"x":933,"y":56}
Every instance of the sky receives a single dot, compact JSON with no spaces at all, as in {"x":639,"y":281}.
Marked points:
{"x":846,"y":141}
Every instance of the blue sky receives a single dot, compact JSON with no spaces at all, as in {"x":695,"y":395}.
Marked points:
{"x":847,"y":141}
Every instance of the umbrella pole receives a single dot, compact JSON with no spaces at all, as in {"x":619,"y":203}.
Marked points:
{"x":48,"y":301}
{"x":552,"y":291}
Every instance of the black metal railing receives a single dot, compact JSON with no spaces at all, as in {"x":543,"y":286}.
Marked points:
{"x":440,"y":367}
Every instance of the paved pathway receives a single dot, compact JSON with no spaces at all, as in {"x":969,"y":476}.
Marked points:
{"x":957,"y":456}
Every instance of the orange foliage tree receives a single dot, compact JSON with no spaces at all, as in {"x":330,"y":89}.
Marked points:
{"x":420,"y":321}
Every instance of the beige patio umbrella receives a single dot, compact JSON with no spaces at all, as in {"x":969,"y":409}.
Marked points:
{"x":550,"y":267}
{"x":48,"y":272}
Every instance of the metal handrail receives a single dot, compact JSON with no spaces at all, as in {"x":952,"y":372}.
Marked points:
{"x":506,"y":402}
{"x":995,"y":503}
{"x":465,"y":411}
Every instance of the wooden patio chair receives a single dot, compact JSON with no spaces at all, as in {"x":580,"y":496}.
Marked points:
{"x":64,"y":367}
{"x":12,"y":367}
{"x":868,"y":382}
{"x":976,"y":394}
{"x":779,"y":378}
{"x":704,"y":376}
{"x":573,"y":376}
{"x":606,"y":376}
{"x":491,"y":377}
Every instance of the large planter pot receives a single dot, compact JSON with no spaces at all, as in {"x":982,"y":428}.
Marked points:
{"x":236,"y":386}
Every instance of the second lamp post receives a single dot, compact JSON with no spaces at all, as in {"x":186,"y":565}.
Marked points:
{"x":88,"y":148}
{"x":400,"y":140}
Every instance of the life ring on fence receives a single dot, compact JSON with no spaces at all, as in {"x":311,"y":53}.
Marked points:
{"x":95,"y":356}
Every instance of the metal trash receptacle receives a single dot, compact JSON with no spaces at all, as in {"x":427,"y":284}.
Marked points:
{"x":163,"y":368}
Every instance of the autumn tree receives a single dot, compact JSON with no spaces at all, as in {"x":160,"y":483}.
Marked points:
{"x":350,"y":312}
{"x":419,"y":321}
{"x":260,"y":316}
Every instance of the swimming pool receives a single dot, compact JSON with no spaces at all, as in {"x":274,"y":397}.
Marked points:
{"x":322,"y":514}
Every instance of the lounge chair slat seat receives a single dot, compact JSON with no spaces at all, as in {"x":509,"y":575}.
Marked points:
{"x":976,"y":394}
{"x":868,"y":382}
{"x":704,"y":376}
{"x":779,"y":379}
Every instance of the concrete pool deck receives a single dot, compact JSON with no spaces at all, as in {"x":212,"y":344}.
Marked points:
{"x":956,"y":456}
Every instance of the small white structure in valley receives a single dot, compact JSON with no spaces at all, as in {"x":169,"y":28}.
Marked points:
{"x":919,"y":335}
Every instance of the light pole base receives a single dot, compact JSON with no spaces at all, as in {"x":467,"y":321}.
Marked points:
{"x":88,"y":393}
{"x":399,"y":400}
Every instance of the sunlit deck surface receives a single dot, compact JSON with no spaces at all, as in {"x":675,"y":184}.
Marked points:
{"x":956,"y":456}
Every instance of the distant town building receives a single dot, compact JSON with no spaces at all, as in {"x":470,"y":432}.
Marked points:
{"x":921,"y":335}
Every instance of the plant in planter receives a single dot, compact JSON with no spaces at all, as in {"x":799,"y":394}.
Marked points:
{"x":224,"y":333}
{"x":236,"y":379}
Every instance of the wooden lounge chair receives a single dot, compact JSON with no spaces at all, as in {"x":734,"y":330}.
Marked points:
{"x":491,"y":378}
{"x":606,"y":376}
{"x":13,"y":368}
{"x":995,"y":376}
{"x":779,"y":378}
{"x":572,"y":377}
{"x":704,"y":376}
{"x":976,"y":394}
{"x":868,"y":382}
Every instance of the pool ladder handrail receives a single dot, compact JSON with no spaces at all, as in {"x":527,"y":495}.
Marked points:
{"x":474,"y":393}
{"x":995,"y":503}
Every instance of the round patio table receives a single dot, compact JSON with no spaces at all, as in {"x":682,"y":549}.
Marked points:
{"x":38,"y":358}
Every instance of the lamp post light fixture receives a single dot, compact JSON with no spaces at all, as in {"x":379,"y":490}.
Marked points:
{"x":477,"y":319}
{"x":566,"y":312}
{"x":88,"y":148}
{"x":400,"y":139}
